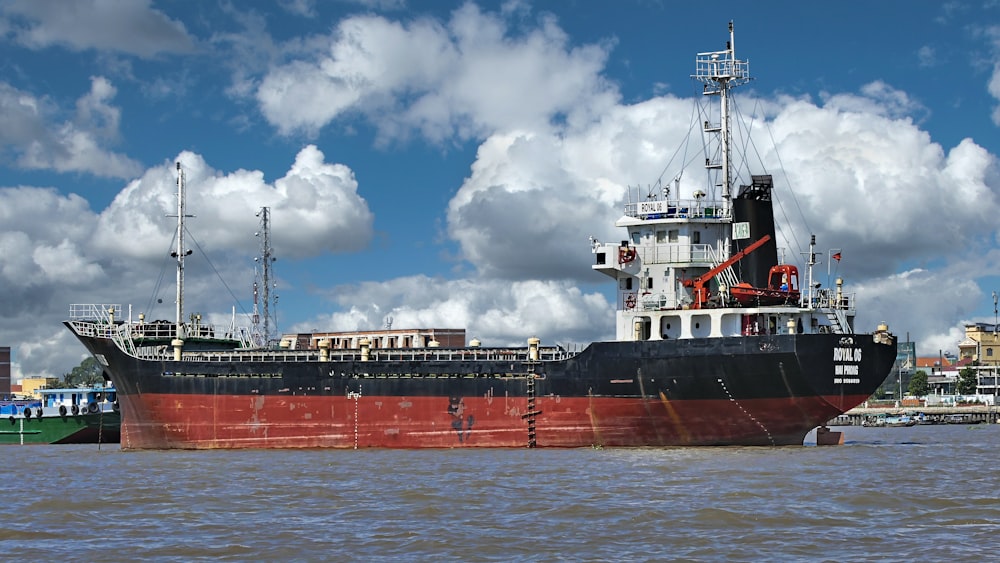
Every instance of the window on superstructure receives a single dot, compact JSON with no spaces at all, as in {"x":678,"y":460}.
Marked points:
{"x":661,"y":236}
{"x":636,"y":238}
{"x":696,"y":237}
{"x":672,"y":235}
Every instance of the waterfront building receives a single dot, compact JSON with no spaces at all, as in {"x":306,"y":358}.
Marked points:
{"x":982,"y":345}
{"x":5,"y":371}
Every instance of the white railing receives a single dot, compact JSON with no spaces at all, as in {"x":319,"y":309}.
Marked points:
{"x":681,"y":209}
{"x":93,"y":312}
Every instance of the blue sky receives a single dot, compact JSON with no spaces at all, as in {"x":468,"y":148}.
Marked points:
{"x":444,"y":163}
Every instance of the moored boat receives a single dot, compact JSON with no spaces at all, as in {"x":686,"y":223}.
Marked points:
{"x":883,"y":420}
{"x":691,"y":364}
{"x":64,"y":416}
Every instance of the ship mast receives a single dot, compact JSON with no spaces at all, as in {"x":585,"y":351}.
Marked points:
{"x":720,"y":71}
{"x":180,"y":252}
{"x":266,"y":258}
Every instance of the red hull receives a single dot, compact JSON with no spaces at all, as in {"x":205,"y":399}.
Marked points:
{"x":208,"y":422}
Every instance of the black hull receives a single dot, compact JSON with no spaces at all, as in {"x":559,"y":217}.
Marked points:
{"x":762,"y":390}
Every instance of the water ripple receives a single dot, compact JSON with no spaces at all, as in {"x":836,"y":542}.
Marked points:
{"x":921,"y":493}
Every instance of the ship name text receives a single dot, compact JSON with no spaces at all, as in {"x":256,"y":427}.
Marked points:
{"x":847,"y":354}
{"x":846,"y":373}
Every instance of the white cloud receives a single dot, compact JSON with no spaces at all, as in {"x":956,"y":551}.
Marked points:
{"x":466,"y":78}
{"x":29,"y":127}
{"x":994,"y":89}
{"x":926,"y":56}
{"x":498,"y":313}
{"x":57,"y":251}
{"x":911,"y":305}
{"x":315,"y":207}
{"x":46,"y":263}
{"x":304,"y":8}
{"x":131,"y":27}
{"x":877,"y":98}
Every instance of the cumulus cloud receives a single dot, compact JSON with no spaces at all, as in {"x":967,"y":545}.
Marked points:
{"x":880,"y":186}
{"x":496,"y":312}
{"x":57,"y":251}
{"x":41,"y":228}
{"x":465,"y":78}
{"x":30,"y":129}
{"x":132,"y":27}
{"x":44,"y":239}
{"x":315,"y":207}
{"x":891,"y":299}
{"x":534,"y":199}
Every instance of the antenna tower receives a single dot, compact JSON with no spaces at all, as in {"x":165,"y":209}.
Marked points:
{"x":262,"y":283}
{"x":720,"y":72}
{"x":180,"y":252}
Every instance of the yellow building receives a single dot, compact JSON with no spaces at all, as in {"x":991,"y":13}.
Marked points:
{"x":31,"y":385}
{"x":982,"y":344}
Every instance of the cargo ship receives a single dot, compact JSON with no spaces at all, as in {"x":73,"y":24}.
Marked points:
{"x":717,"y":343}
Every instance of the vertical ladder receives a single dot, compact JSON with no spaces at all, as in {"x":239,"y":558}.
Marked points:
{"x":530,"y":415}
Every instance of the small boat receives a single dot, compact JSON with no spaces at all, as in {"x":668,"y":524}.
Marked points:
{"x":900,"y":420}
{"x":73,"y":415}
{"x":782,"y":288}
{"x":960,"y":419}
{"x":889,"y":421}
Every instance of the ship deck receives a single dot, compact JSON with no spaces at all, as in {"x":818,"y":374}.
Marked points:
{"x":156,"y":349}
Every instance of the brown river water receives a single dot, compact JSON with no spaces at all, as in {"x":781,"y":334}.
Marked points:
{"x":925,"y":493}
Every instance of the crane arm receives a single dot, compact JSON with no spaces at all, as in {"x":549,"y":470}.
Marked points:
{"x":698,"y":283}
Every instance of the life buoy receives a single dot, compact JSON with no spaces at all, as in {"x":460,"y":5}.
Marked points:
{"x":75,"y":410}
{"x":630,"y":301}
{"x":92,"y":408}
{"x":62,"y":410}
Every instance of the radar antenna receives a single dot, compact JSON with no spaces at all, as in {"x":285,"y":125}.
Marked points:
{"x":721,"y":71}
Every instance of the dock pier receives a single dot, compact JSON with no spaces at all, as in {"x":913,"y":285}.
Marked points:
{"x":972,"y":414}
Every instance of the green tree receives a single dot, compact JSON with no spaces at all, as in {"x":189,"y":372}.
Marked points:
{"x":918,"y":384}
{"x":89,"y":372}
{"x":967,"y":381}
